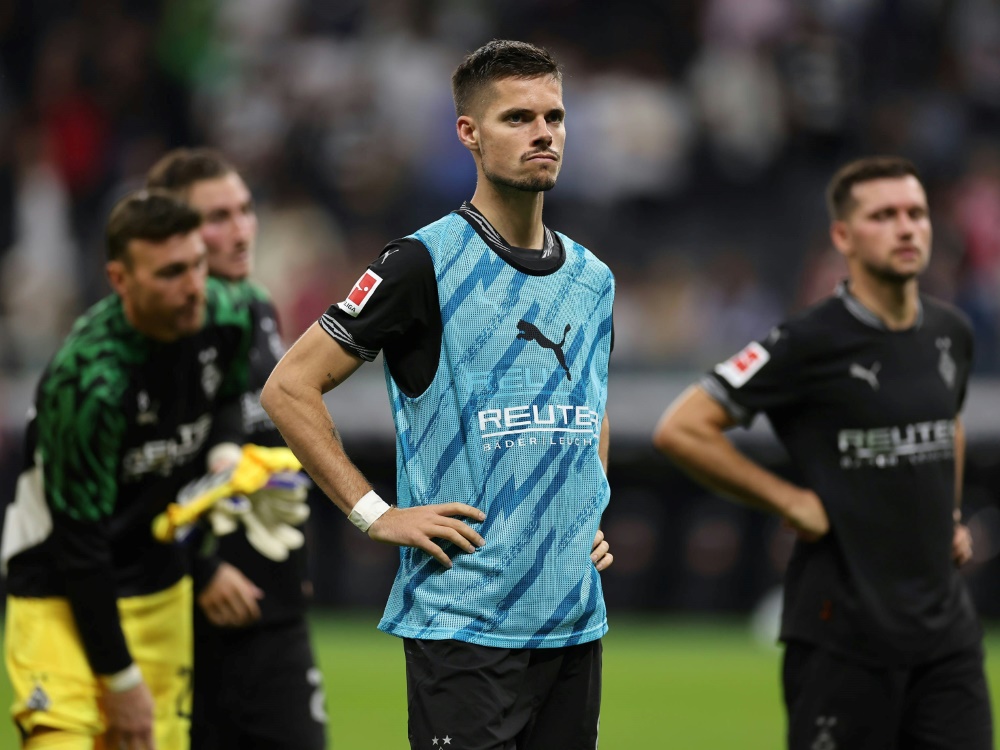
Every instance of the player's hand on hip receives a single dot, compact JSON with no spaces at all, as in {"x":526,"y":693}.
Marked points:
{"x":230,"y":598}
{"x":419,"y":526}
{"x":961,"y":545}
{"x":807,"y":517}
{"x":130,"y":719}
{"x":600,"y":554}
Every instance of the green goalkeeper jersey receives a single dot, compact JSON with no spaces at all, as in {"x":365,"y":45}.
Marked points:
{"x":120,"y":423}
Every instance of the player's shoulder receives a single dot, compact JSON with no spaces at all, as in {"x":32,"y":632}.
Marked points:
{"x":96,"y":356}
{"x":943,"y":315}
{"x":402,"y":257}
{"x":229,"y":302}
{"x":811,"y":326}
{"x":447,"y":226}
{"x":572,"y":248}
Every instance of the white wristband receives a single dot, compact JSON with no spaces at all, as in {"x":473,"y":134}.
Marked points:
{"x":127,"y":679}
{"x":368,"y":510}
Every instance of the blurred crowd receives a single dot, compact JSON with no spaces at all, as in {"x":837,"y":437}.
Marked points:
{"x":701,"y":134}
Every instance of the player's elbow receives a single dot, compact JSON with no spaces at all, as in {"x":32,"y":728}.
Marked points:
{"x":275,"y":395}
{"x":668,"y":437}
{"x":679,"y":435}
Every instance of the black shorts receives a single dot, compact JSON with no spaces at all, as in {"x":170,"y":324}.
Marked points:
{"x":256,"y":688}
{"x":836,"y":703}
{"x":482,"y":698}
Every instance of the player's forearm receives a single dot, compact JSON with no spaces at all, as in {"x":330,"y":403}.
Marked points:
{"x":301,"y":416}
{"x":93,"y":600}
{"x":84,"y":561}
{"x":711,"y":459}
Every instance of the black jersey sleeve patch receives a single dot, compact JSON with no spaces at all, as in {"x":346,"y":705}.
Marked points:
{"x":759,"y":378}
{"x":399,"y":316}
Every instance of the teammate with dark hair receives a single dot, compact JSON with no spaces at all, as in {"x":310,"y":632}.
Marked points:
{"x":502,"y":613}
{"x":882,"y":644}
{"x":98,"y":636}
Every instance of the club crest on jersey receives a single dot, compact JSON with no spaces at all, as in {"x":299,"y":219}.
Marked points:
{"x":147,"y":409}
{"x":211,"y":375}
{"x":824,"y":737}
{"x":946,"y":363}
{"x":361,"y":293}
{"x":39,"y":699}
{"x":738,"y":369}
{"x":270,"y":329}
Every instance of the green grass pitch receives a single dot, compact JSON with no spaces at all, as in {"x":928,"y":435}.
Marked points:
{"x":668,"y":683}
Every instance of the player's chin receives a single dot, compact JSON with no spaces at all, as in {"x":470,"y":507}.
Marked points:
{"x":190,"y":321}
{"x":241,"y":266}
{"x":543,"y":182}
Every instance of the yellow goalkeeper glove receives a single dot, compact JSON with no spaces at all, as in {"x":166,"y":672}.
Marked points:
{"x":272,"y":491}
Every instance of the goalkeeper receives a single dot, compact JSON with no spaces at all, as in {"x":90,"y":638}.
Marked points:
{"x":98,"y":640}
{"x":256,"y":681}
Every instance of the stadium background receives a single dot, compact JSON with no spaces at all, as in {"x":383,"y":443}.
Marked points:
{"x":701,"y":135}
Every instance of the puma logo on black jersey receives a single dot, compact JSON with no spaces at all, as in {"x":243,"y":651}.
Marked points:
{"x":529,"y":332}
{"x":869,"y":375}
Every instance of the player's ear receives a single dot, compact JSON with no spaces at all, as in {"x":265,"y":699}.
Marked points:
{"x":840,"y":235}
{"x":468,"y":132}
{"x":116,"y":272}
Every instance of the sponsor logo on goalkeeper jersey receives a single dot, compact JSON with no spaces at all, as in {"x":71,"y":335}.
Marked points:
{"x":532,"y":425}
{"x":361,"y":293}
{"x":738,"y":369}
{"x":161,"y":456}
{"x":887,"y":447}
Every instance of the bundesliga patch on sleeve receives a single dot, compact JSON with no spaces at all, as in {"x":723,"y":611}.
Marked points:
{"x":361,"y":293}
{"x":737,"y":370}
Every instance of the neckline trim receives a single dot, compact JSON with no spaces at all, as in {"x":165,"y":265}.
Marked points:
{"x":858,"y":310}
{"x":527,"y":260}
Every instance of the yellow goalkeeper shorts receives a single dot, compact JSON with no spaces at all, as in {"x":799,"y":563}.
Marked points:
{"x":54,"y":686}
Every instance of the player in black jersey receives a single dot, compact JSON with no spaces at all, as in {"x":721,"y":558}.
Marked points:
{"x":256,"y":681}
{"x":98,"y":637}
{"x":864,"y":389}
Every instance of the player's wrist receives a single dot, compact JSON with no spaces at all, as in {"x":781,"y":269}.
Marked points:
{"x":368,"y":510}
{"x":126,"y":679}
{"x":797,"y":505}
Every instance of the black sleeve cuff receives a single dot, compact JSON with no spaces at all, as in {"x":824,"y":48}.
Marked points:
{"x":342,"y":336}
{"x":227,"y":426}
{"x":203,"y":567}
{"x":741,"y":415}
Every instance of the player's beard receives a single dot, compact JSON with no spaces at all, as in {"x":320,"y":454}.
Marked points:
{"x":538,"y":183}
{"x":889,"y":275}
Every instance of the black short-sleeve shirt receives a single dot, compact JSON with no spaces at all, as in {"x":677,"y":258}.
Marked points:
{"x":868,"y":417}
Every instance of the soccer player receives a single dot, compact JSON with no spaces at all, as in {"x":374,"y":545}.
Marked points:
{"x":98,"y":635}
{"x":864,"y":390}
{"x":256,"y":682}
{"x":496,"y":333}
